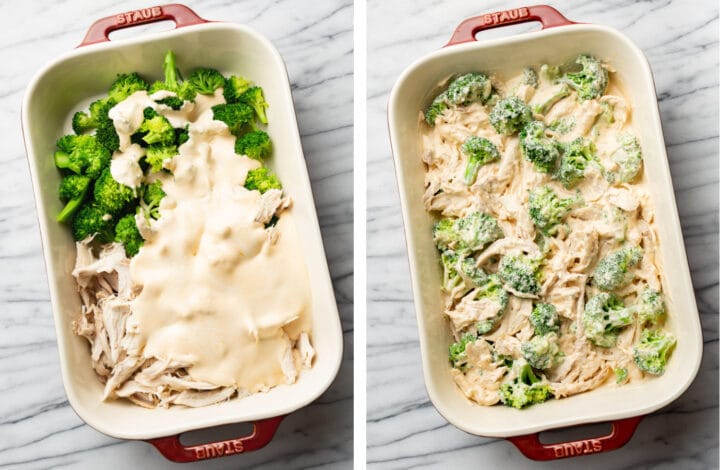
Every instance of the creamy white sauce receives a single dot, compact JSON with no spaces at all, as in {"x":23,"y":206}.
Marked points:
{"x":217,"y":289}
{"x":125,"y":166}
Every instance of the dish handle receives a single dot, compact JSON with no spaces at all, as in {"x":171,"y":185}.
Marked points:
{"x":532,"y":448}
{"x":180,"y":14}
{"x":172,"y":449}
{"x":545,"y":14}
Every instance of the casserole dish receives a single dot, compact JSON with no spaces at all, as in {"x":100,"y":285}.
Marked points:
{"x":558,"y":41}
{"x":45,"y":117}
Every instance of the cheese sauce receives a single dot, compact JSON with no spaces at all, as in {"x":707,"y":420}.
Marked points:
{"x":216,"y":289}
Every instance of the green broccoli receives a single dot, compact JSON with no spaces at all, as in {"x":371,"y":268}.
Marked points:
{"x":173,"y":80}
{"x":156,"y":129}
{"x":97,"y":114}
{"x":172,"y":102}
{"x":541,"y":352}
{"x":628,"y":158}
{"x":91,"y":220}
{"x":437,"y":108}
{"x":621,"y":375}
{"x":254,"y":98}
{"x":239,"y":117}
{"x":262,"y":180}
{"x":651,"y":353}
{"x":152,"y":194}
{"x":510,"y":115}
{"x":521,"y":273}
{"x":562,"y":92}
{"x":493,"y":291}
{"x":467,"y":89}
{"x":613,"y":271}
{"x":234,"y":87}
{"x":469,"y":233}
{"x":547,"y":210}
{"x":255,"y":144}
{"x":649,"y":306}
{"x":603,"y":318}
{"x":73,"y":189}
{"x":82,"y":154}
{"x":544,"y":319}
{"x":106,"y":134}
{"x":576,"y":157}
{"x":479,"y":151}
{"x":127,"y":233}
{"x":182,"y":135}
{"x":550,"y":73}
{"x":457,"y":354}
{"x":125,"y":85}
{"x":205,"y":81}
{"x":525,"y":390}
{"x":537,"y":148}
{"x":157,"y":154}
{"x":591,"y":81}
{"x":529,"y":77}
{"x":110,"y":196}
{"x":562,"y":125}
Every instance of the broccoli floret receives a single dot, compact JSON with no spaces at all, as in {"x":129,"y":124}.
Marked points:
{"x":613,"y":271}
{"x":479,"y":151}
{"x":125,"y":85}
{"x":469,"y":88}
{"x":254,"y":98}
{"x":510,"y":115}
{"x":157,"y":154}
{"x":458,"y":356}
{"x":603,"y":317}
{"x":73,"y":189}
{"x":541,"y":352}
{"x":451,"y":276}
{"x":591,"y":81}
{"x":469,"y":233}
{"x":182,"y":135}
{"x":110,"y":196}
{"x":539,"y":149}
{"x":205,"y":81}
{"x":97,"y":116}
{"x":529,"y":77}
{"x":262,"y":180}
{"x":156,"y":129}
{"x":152,"y":194}
{"x":550,"y":73}
{"x":127,"y":233}
{"x":493,"y":291}
{"x":621,"y":375}
{"x":437,"y":107}
{"x":106,"y":135}
{"x":91,"y":220}
{"x":520,"y":273}
{"x":173,"y":80}
{"x":576,"y":157}
{"x":238,"y":116}
{"x":652,"y":352}
{"x":234,"y":87}
{"x":562,"y":92}
{"x":82,"y":154}
{"x":649,"y":306}
{"x":562,"y":125}
{"x":172,"y":102}
{"x":628,"y":158}
{"x":255,"y":144}
{"x":525,"y":390}
{"x":544,"y":319}
{"x":547,"y":210}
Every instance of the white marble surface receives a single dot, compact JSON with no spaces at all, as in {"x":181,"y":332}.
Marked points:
{"x":38,"y":429}
{"x":681,"y":42}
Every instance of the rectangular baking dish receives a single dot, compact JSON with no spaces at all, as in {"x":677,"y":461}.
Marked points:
{"x":53,"y":94}
{"x":558,"y":41}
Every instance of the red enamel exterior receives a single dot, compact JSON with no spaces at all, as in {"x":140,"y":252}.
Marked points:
{"x":529,"y":444}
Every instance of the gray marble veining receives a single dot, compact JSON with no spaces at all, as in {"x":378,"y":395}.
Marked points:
{"x":404,"y":429}
{"x":38,"y":429}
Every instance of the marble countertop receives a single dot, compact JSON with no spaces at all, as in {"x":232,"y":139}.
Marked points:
{"x":404,"y":429}
{"x":38,"y":429}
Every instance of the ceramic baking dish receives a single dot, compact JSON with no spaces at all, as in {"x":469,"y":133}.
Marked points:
{"x":559,"y":41}
{"x":52,"y":97}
